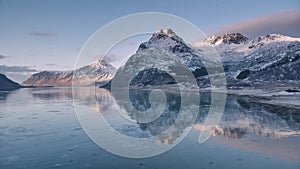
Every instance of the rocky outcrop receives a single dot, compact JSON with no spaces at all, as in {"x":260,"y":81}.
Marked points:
{"x":228,"y":38}
{"x":7,"y":84}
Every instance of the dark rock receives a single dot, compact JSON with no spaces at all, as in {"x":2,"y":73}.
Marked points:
{"x":235,"y":38}
{"x":7,"y":84}
{"x":152,"y":77}
{"x":292,"y":90}
{"x":243,"y":74}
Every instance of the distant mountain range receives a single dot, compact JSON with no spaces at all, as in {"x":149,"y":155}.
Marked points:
{"x":266,"y":60}
{"x":98,"y":73}
{"x":7,"y":84}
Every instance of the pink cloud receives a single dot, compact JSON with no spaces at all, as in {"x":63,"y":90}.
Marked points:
{"x":285,"y":22}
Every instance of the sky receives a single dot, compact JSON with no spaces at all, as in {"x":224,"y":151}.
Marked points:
{"x":38,"y":35}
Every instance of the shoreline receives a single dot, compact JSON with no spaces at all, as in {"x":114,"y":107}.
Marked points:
{"x":281,"y":97}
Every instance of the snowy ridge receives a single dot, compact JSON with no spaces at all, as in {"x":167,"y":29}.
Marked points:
{"x":237,"y":43}
{"x":239,"y":39}
{"x":263,"y":60}
{"x":247,"y":62}
{"x":168,"y":32}
{"x":258,"y":61}
{"x":245,"y":47}
{"x":98,"y":73}
{"x":275,"y":38}
{"x":162,"y":39}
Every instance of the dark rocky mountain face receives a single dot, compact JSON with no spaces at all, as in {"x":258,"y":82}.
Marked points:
{"x":7,"y":84}
{"x":152,"y":77}
{"x":235,"y":38}
{"x":286,"y":67}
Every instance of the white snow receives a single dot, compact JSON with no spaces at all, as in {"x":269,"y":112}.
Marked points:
{"x":168,"y":32}
{"x":235,"y":52}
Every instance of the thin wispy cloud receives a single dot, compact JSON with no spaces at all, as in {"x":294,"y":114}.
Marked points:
{"x":286,"y":23}
{"x":17,"y":69}
{"x":3,"y":56}
{"x":42,"y":34}
{"x":56,"y":65}
{"x":51,"y":64}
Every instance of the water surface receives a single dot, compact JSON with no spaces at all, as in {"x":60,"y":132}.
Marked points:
{"x":39,"y":129}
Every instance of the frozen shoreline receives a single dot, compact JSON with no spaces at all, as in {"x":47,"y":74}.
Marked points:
{"x":276,"y":96}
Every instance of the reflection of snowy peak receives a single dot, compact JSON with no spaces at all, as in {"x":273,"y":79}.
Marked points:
{"x":95,"y":73}
{"x":245,"y":115}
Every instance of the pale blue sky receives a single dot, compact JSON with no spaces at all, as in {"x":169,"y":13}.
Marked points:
{"x":47,"y":34}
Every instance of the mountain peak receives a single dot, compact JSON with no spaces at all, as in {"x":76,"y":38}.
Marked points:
{"x":236,"y":38}
{"x":98,"y":72}
{"x":275,"y":37}
{"x":168,"y":32}
{"x":163,"y":39}
{"x":227,"y":38}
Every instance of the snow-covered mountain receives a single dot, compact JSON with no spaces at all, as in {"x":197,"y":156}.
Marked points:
{"x":165,"y":58}
{"x":263,"y":60}
{"x":247,"y":62}
{"x":98,"y":73}
{"x":167,"y":40}
{"x":7,"y":84}
{"x":158,"y":60}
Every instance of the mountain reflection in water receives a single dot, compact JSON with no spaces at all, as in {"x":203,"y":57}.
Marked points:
{"x":40,"y":124}
{"x":242,"y":115}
